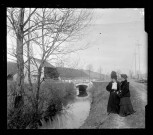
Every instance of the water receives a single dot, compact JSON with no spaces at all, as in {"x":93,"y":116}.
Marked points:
{"x":77,"y":114}
{"x":73,"y":116}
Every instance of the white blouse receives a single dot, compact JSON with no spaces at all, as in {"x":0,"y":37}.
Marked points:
{"x":114,"y":85}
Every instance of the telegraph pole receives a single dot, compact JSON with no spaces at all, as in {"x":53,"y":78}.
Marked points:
{"x":135,"y":62}
{"x":89,"y":75}
{"x":81,"y":74}
{"x":139,"y":57}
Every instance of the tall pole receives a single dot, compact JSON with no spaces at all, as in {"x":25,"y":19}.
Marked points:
{"x":101,"y":74}
{"x":89,"y":75}
{"x":81,"y":74}
{"x":139,"y":57}
{"x":135,"y":62}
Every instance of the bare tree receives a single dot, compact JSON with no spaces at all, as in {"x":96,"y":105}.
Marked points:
{"x":64,"y":26}
{"x":130,"y":73}
{"x":17,"y":26}
{"x":81,"y":66}
{"x":50,"y":30}
{"x":100,"y":72}
{"x":89,"y":68}
{"x":18,"y":19}
{"x":67,"y":63}
{"x":28,"y":54}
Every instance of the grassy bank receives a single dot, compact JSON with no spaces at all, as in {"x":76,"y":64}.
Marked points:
{"x":98,"y":111}
{"x":98,"y":118}
{"x":53,"y":96}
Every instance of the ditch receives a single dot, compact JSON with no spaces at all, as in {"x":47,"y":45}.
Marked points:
{"x":75,"y":113}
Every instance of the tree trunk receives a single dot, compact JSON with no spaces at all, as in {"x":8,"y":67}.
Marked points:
{"x":40,"y":68}
{"x":29,"y":73}
{"x":29,"y":58}
{"x":20,"y":61}
{"x":38,"y":87}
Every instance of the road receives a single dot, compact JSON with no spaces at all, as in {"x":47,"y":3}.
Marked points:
{"x":141,"y":90}
{"x":102,"y":121}
{"x":139,"y":101}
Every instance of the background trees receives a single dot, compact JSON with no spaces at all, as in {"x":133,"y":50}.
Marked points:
{"x":89,"y":68}
{"x":100,"y":72}
{"x":50,"y":31}
{"x":16,"y":25}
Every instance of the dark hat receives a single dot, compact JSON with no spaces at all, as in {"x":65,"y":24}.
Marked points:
{"x":113,"y":75}
{"x":124,"y":76}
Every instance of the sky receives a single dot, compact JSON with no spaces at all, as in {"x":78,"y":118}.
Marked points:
{"x":113,"y":35}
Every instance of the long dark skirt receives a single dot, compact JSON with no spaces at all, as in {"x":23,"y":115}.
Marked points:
{"x":126,"y":106}
{"x":113,"y":103}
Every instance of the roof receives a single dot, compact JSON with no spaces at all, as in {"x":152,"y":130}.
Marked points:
{"x":46,"y":64}
{"x":12,"y":66}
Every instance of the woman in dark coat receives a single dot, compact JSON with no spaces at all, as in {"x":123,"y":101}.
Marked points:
{"x":114,"y":100}
{"x":124,"y":94}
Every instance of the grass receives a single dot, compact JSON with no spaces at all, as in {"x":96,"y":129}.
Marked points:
{"x":98,"y":117}
{"x":98,"y":111}
{"x":53,"y":96}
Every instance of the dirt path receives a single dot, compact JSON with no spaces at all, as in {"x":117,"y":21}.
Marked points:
{"x":141,"y":90}
{"x":120,"y":122}
{"x":98,"y":118}
{"x":139,"y":101}
{"x":114,"y":121}
{"x":141,"y":96}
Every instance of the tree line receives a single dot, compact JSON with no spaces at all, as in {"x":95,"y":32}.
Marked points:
{"x":49,"y":30}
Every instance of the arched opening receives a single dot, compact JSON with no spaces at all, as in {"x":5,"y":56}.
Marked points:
{"x":82,"y":90}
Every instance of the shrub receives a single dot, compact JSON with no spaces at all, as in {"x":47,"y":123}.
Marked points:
{"x":51,"y":100}
{"x":18,"y":118}
{"x":11,"y":87}
{"x":57,"y":93}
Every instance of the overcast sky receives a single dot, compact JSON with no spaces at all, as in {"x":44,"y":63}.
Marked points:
{"x":113,"y":35}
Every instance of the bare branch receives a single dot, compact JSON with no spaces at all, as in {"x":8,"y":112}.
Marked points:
{"x":12,"y":59}
{"x":29,"y":17}
{"x":12,"y":23}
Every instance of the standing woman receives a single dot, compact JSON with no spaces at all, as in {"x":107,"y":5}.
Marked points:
{"x":124,"y":94}
{"x":113,"y":87}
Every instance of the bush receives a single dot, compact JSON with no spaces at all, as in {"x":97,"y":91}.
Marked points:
{"x":53,"y":96}
{"x":11,"y":87}
{"x":56,"y":95}
{"x":19,"y":118}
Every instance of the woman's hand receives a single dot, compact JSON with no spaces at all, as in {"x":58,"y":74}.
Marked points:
{"x":119,"y":93}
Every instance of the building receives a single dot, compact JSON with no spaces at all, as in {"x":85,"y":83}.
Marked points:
{"x":48,"y":71}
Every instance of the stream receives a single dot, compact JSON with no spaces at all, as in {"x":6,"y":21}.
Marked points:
{"x":74,"y":114}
